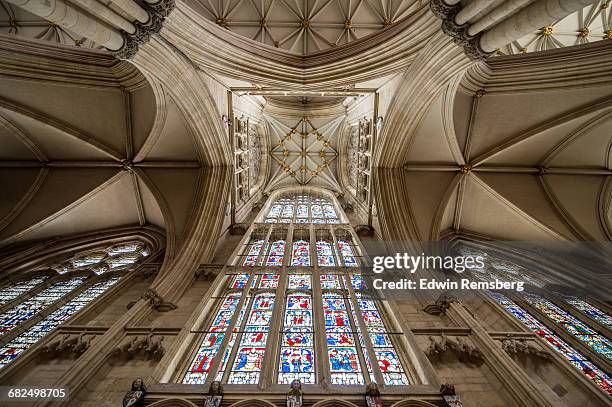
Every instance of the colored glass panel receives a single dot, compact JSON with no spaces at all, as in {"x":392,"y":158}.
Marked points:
{"x":269,"y":281}
{"x":301,"y":253}
{"x":22,"y":342}
{"x":32,"y":306}
{"x":347,"y":253}
{"x":589,"y":310}
{"x":325,"y":254}
{"x":330,"y":282}
{"x":577,"y":360}
{"x":202,"y":362}
{"x":9,"y":293}
{"x":276,"y":253}
{"x":573,"y":325}
{"x":297,"y":358}
{"x":247,"y":365}
{"x":251,"y":258}
{"x":299,"y":282}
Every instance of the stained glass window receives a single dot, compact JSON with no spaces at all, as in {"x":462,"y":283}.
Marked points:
{"x":32,"y":306}
{"x":253,"y":253}
{"x":9,"y":293}
{"x":302,"y":209}
{"x":301,"y":253}
{"x":202,"y":363}
{"x":248,"y":361}
{"x":347,"y":253}
{"x":248,"y":332}
{"x":325,"y":254}
{"x":297,"y":357}
{"x":276,"y":253}
{"x":589,"y":310}
{"x":571,"y":324}
{"x":22,"y":342}
{"x":576,"y":359}
{"x":343,"y":359}
{"x":384,"y":351}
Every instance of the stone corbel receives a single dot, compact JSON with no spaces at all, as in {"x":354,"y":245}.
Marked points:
{"x":522,"y":346}
{"x":76,"y":344}
{"x":141,"y":344}
{"x":157,"y":14}
{"x":439,"y":345}
{"x":441,"y":305}
{"x":155,"y":301}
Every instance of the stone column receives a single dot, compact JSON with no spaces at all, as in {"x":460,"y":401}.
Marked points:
{"x":128,"y":8}
{"x":473,"y":8}
{"x":497,"y":14}
{"x":106,"y":14}
{"x":529,"y":19}
{"x":65,"y":15}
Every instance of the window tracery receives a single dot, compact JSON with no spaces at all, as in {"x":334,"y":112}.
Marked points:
{"x":310,"y":271}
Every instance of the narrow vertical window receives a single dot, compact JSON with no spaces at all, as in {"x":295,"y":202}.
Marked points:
{"x":297,"y":357}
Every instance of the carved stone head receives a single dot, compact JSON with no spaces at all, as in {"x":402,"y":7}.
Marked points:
{"x":372,"y":390}
{"x":296,"y":386}
{"x":215,"y":389}
{"x":138,"y":385}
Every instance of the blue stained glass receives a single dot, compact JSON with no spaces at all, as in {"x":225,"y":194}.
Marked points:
{"x":574,"y":357}
{"x":251,"y":258}
{"x":301,"y":253}
{"x":357,"y":282}
{"x":32,"y":306}
{"x":347,"y":253}
{"x":343,"y":360}
{"x":247,"y":365}
{"x":591,"y":311}
{"x":275,"y":211}
{"x":325,"y":254}
{"x":22,"y":342}
{"x":574,"y":326}
{"x":287,"y":212}
{"x":297,"y":352}
{"x":317,"y":211}
{"x":13,"y":291}
{"x":269,"y":281}
{"x":302,"y":211}
{"x":276,"y":254}
{"x":202,"y":362}
{"x":239,"y":281}
{"x":330,"y":282}
{"x":330,"y":212}
{"x":299,"y":282}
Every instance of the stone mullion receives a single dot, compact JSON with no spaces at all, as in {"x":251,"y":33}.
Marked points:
{"x":366,"y":336}
{"x":580,"y":346}
{"x":24,"y":326}
{"x":269,"y":370}
{"x":29,"y":294}
{"x":228,"y":333}
{"x":319,"y":337}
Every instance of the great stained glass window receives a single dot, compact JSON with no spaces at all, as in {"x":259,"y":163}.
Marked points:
{"x":589,"y":310}
{"x":571,"y":324}
{"x":577,"y":360}
{"x":9,"y":293}
{"x":268,"y":282}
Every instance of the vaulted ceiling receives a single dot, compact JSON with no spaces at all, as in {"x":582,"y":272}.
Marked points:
{"x":513,"y":163}
{"x":305,"y":26}
{"x":102,"y":149}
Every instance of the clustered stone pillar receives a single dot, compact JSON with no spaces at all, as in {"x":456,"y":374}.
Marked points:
{"x":66,"y":15}
{"x":527,"y":20}
{"x":481,"y":33}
